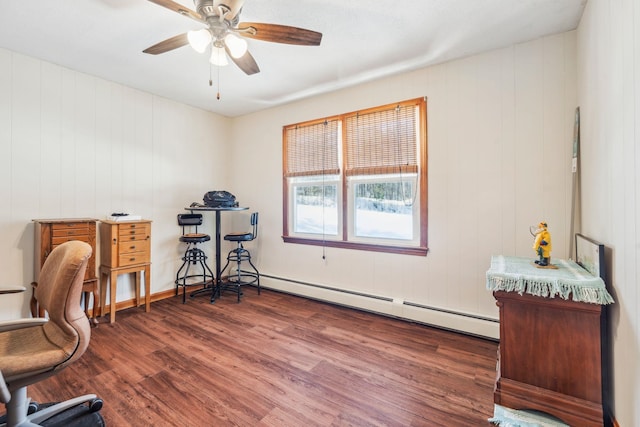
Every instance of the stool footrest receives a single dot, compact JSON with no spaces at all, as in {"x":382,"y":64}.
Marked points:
{"x":205,"y":277}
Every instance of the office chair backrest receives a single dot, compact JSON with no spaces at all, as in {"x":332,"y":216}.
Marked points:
{"x":58,"y":292}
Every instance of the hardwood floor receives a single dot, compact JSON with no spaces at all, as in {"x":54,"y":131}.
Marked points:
{"x":278,"y":360}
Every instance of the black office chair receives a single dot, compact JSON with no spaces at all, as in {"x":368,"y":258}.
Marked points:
{"x":239,"y":255}
{"x":193,"y":255}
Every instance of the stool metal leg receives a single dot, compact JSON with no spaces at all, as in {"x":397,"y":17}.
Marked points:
{"x":193,"y":255}
{"x":236,"y":281}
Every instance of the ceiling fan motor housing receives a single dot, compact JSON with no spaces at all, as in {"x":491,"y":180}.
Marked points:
{"x":209,"y":8}
{"x":204,"y":7}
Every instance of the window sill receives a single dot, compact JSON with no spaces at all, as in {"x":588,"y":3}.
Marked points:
{"x":404,"y":250}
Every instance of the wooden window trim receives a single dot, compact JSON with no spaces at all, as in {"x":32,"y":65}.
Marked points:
{"x":420,"y":250}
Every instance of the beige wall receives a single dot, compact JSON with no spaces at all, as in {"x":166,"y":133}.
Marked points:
{"x":499,"y":124}
{"x":72,"y":145}
{"x":609,"y":98}
{"x":500,"y":128}
{"x":75,"y":145}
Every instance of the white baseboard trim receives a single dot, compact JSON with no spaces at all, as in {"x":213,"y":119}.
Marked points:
{"x":442,"y":318}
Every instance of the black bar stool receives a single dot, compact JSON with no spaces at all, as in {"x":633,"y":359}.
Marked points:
{"x":193,"y":256}
{"x":238,"y":256}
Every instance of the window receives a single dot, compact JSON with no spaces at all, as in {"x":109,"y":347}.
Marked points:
{"x":358,"y":180}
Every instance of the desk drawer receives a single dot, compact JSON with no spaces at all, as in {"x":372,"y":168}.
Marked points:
{"x":126,"y":239}
{"x":56,"y":241}
{"x":131,"y":246}
{"x":133,"y":229}
{"x":133,"y":258}
{"x":71,"y":229}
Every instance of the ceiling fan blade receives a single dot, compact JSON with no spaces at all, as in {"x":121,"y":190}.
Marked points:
{"x":176,"y":7}
{"x":168,"y":44}
{"x":246,"y":62}
{"x":279,"y":33}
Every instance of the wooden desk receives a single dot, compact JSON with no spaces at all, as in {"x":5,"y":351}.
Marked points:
{"x":125,"y":247}
{"x":551,"y":351}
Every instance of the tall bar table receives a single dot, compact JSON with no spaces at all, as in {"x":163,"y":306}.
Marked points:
{"x":215,"y":286}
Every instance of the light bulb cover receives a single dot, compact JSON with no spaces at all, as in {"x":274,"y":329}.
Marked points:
{"x":218,"y":57}
{"x":237,"y":46}
{"x":199,"y":39}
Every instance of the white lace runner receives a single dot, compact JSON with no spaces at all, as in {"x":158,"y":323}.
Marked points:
{"x":568,"y":281}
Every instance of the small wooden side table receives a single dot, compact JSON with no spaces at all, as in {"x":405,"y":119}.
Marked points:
{"x":125,"y":248}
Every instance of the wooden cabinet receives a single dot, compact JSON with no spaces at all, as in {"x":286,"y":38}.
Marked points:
{"x":551,"y":357}
{"x":554,"y":351}
{"x":50,"y":233}
{"x":125,"y":247}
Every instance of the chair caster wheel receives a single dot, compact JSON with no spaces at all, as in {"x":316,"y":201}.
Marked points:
{"x":95,"y":405}
{"x":33,"y":407}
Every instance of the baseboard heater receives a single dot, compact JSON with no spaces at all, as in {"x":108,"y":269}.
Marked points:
{"x":442,"y":311}
{"x":327,"y":288}
{"x":456,"y":313}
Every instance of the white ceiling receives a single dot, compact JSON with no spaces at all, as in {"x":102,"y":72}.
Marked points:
{"x":362,"y":40}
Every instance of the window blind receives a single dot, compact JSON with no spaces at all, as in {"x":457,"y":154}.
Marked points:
{"x":382,"y":141}
{"x":312,"y":149}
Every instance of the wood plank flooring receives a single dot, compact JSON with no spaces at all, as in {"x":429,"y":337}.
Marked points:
{"x":278,"y":360}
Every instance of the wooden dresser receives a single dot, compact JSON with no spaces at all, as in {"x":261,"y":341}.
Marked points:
{"x":125,"y":247}
{"x":553,"y":340}
{"x":50,"y":233}
{"x":550,"y":358}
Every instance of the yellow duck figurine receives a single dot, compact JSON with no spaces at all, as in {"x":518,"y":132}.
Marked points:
{"x":542,"y":245}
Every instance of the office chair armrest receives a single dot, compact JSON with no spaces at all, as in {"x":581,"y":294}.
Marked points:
{"x":11,"y":289}
{"x":5,"y":396}
{"x":12,"y":325}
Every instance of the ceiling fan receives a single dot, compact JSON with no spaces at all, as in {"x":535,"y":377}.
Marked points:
{"x":223,"y":28}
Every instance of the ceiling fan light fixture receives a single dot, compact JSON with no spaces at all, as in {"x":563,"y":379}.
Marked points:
{"x":218,"y":57}
{"x":237,"y":46}
{"x":199,"y":39}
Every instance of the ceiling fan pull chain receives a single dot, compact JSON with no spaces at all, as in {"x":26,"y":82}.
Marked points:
{"x":218,"y":77}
